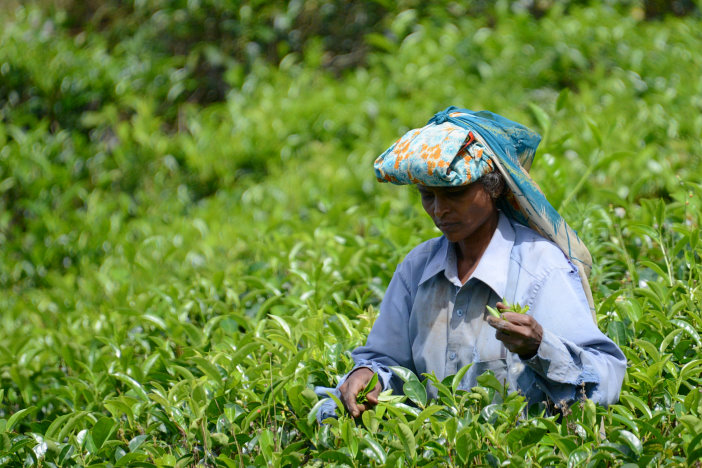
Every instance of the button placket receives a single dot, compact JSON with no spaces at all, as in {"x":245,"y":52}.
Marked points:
{"x":452,"y":361}
{"x":456,"y":341}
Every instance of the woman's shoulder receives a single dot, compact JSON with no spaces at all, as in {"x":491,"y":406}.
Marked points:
{"x":426,"y":251}
{"x":429,"y":255}
{"x":536,"y":253}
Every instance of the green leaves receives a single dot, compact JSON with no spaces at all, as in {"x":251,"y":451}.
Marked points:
{"x":516,"y":308}
{"x":362,"y":395}
{"x":412,"y":388}
{"x":494,"y":312}
{"x":103,"y":429}
{"x":18,"y":416}
{"x":191,"y":244}
{"x":406,"y":436}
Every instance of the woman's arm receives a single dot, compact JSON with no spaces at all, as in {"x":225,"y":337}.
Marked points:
{"x":573,"y":356}
{"x":388,"y":342}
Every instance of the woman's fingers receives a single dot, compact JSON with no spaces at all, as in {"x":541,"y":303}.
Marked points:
{"x":361,"y":408}
{"x":518,"y":319}
{"x":495,"y":322}
{"x":512,"y":322}
{"x":508,"y":338}
{"x":520,"y":333}
{"x":371,"y":400}
{"x":373,"y":395}
{"x":350,"y":389}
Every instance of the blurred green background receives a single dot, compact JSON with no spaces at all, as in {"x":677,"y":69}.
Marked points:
{"x":115,"y":111}
{"x":173,"y":173}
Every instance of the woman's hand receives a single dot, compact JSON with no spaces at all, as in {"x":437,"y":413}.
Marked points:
{"x":520,"y":333}
{"x":350,"y":389}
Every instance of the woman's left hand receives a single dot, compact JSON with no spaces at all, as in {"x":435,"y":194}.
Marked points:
{"x":520,"y":333}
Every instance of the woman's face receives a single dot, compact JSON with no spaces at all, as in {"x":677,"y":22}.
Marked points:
{"x":458,"y":212}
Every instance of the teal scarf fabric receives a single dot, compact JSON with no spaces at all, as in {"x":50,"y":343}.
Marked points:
{"x":458,"y":146}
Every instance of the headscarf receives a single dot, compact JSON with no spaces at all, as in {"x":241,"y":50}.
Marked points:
{"x":458,"y":146}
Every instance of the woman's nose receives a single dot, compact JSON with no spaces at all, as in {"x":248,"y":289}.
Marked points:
{"x":440,"y":207}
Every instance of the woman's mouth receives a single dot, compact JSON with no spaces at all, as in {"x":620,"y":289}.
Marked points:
{"x":447,"y":226}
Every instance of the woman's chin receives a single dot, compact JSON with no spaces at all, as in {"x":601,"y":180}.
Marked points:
{"x":452,"y":236}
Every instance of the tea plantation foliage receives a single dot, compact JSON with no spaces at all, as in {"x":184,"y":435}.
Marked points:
{"x":192,"y":237}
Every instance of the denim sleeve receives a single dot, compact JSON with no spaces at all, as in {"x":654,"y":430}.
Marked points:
{"x":388,"y":343}
{"x":575,"y":358}
{"x":328,"y":407}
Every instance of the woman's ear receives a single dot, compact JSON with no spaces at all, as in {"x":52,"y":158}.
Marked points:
{"x":494,"y":184}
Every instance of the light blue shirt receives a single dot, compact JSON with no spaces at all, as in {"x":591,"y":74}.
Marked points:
{"x":430,"y":322}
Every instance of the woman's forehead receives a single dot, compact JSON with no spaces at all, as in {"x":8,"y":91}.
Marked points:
{"x":443,"y":189}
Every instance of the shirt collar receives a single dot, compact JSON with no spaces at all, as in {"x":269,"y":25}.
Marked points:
{"x":438,"y":261}
{"x":493,"y":267}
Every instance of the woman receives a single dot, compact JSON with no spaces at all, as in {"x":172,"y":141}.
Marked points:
{"x":501,"y":239}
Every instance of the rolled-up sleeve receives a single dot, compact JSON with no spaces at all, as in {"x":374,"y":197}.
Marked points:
{"x":575,"y":358}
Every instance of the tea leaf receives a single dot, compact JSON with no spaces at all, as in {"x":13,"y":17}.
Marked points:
{"x":192,"y":237}
{"x":407,"y":439}
{"x":362,"y":395}
{"x":494,"y":312}
{"x":13,"y":420}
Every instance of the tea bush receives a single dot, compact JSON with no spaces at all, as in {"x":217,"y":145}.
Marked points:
{"x":179,"y":272}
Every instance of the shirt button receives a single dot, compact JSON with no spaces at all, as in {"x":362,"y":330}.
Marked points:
{"x":452,"y":355}
{"x":459,"y":312}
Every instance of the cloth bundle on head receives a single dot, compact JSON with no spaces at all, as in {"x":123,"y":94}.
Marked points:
{"x":458,"y":146}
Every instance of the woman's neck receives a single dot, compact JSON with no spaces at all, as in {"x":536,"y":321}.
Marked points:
{"x":470,"y":250}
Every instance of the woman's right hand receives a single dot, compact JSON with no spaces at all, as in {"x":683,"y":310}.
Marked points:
{"x":353,"y":385}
